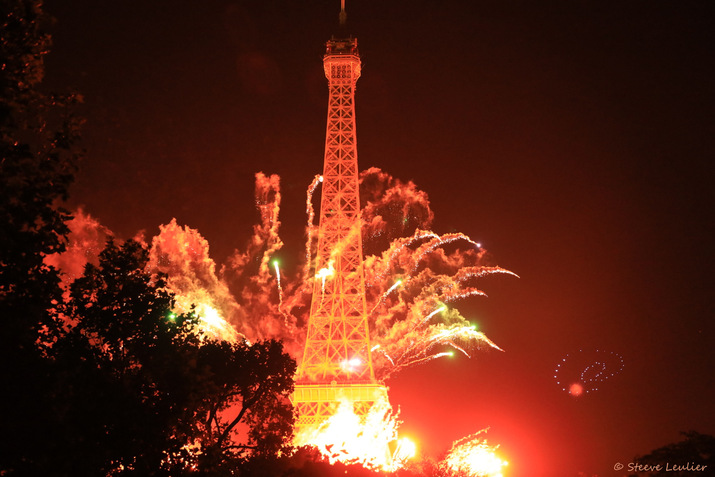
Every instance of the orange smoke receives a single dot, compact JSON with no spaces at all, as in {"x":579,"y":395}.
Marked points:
{"x":85,"y":241}
{"x":390,"y":209}
{"x":183,"y":255}
{"x":413,"y":276}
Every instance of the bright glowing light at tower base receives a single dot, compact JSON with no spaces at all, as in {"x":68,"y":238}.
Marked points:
{"x":369,"y":440}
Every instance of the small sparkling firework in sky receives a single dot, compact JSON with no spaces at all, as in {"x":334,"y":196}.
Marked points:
{"x":583,"y":372}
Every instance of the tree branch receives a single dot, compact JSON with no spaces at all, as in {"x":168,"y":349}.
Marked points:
{"x":247,"y":403}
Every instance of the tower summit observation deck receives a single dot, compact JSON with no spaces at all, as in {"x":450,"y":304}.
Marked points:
{"x":337,"y":362}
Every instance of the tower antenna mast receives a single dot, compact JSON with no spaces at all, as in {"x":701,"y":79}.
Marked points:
{"x":343,"y":16}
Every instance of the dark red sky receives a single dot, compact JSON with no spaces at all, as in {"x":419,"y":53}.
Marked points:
{"x":573,"y":138}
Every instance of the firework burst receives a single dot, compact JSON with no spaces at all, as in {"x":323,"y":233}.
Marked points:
{"x":413,"y":276}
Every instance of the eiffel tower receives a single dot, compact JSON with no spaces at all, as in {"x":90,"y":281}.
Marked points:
{"x":337,"y":362}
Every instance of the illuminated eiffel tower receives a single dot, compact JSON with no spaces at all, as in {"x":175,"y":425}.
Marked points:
{"x":337,"y":361}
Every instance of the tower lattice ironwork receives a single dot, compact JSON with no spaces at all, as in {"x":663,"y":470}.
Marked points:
{"x":337,"y":361}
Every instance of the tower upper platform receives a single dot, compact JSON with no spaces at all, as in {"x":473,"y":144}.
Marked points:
{"x":345,"y":46}
{"x":342,"y":61}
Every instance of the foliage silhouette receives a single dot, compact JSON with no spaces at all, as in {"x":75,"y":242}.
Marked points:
{"x":105,"y":380}
{"x":162,"y":383}
{"x":695,"y":449}
{"x":38,"y":158}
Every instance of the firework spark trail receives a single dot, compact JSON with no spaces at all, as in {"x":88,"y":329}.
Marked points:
{"x":421,"y":347}
{"x":478,"y":272}
{"x":298,"y":291}
{"x":280,"y":293}
{"x":324,"y":273}
{"x":310,"y":227}
{"x":265,"y":242}
{"x":417,"y":353}
{"x":472,"y":456}
{"x":385,"y":295}
{"x":458,"y":348}
{"x":434,"y":312}
{"x":427,"y":358}
{"x":441,"y":287}
{"x":379,"y":349}
{"x":461,"y":294}
{"x":406,"y":334}
{"x":438,"y":242}
{"x":270,"y":210}
{"x":397,"y":318}
{"x":278,"y":281}
{"x":396,"y":329}
{"x":262,"y":316}
{"x":399,"y":246}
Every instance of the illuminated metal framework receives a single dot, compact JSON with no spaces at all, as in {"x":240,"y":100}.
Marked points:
{"x":337,"y":361}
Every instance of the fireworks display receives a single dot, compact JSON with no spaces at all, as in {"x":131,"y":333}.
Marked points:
{"x":411,"y":286}
{"x":413,"y":278}
{"x":583,"y":372}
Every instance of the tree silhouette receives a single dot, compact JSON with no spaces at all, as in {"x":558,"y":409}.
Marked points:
{"x":116,"y":358}
{"x":38,"y":157}
{"x":110,"y":382}
{"x":143,"y":392}
{"x":681,"y":458}
{"x":247,"y":414}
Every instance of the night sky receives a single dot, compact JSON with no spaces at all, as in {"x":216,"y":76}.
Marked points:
{"x":573,"y":138}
